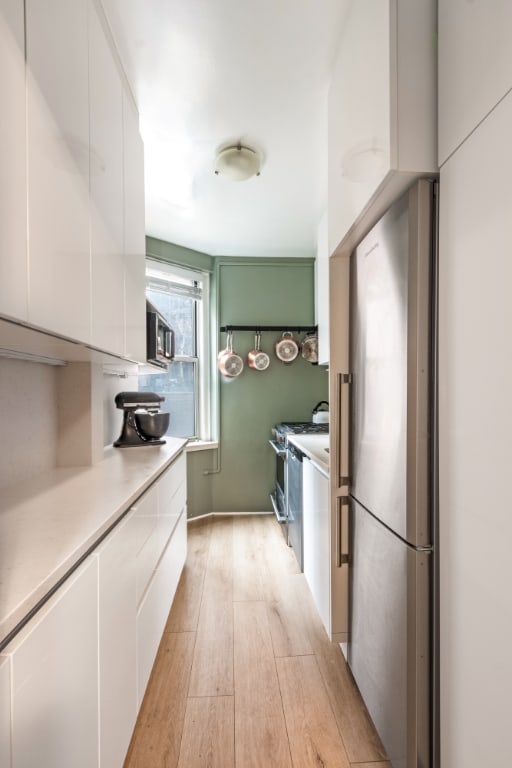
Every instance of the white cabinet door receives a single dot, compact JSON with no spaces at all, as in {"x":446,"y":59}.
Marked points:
{"x":157,"y":602}
{"x":117,"y":642}
{"x":54,"y":664}
{"x":5,"y":713}
{"x":381,"y":111}
{"x":475,"y":418}
{"x":317,"y":539}
{"x":134,"y":236}
{"x":58,"y":166}
{"x":322,"y":291}
{"x":107,"y":235}
{"x":13,"y":178}
{"x":475,"y":66}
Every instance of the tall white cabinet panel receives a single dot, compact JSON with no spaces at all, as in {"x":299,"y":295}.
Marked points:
{"x":134,"y":235}
{"x":475,"y":65}
{"x":381,"y":110}
{"x":475,"y":418}
{"x":317,"y":539}
{"x":5,"y":712}
{"x":13,"y":178}
{"x":58,"y":166}
{"x":117,"y":642}
{"x":55,"y":679}
{"x":107,"y":235}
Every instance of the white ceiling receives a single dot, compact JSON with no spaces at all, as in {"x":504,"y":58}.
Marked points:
{"x":204,"y":72}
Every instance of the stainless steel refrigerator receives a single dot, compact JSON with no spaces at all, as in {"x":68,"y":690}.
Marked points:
{"x":392,"y":641}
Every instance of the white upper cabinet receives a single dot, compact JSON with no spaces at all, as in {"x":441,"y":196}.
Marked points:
{"x":134,"y":235}
{"x":13,"y":179}
{"x":475,"y":66}
{"x":322,"y":291}
{"x":58,"y":166}
{"x":107,"y":223}
{"x":382,"y":111}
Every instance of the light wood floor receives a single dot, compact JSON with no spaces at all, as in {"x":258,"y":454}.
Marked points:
{"x":245,"y":675}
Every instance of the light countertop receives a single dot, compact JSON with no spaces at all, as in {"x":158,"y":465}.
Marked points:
{"x":315,"y":447}
{"x":49,"y":522}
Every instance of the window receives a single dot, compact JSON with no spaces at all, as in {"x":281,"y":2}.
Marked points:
{"x":181,"y":295}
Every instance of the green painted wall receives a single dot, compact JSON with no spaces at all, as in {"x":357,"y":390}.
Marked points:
{"x":250,"y":292}
{"x":261,"y":292}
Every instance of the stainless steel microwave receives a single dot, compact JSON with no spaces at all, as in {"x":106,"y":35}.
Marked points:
{"x":160,"y":337}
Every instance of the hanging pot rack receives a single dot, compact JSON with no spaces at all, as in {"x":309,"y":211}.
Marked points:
{"x":262,"y":328}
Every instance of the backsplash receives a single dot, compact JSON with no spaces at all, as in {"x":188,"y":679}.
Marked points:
{"x":29,"y":412}
{"x":28,"y":408}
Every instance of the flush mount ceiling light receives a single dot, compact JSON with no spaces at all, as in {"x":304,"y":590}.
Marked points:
{"x":237,"y":162}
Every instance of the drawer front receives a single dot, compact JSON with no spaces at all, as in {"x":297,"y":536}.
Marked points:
{"x":156,"y":604}
{"x":174,"y":478}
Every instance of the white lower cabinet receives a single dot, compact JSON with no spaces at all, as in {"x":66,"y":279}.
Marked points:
{"x":54,"y":678}
{"x":157,"y":601}
{"x":5,"y":713}
{"x":317,"y":539}
{"x":117,"y":642}
{"x":325,"y":538}
{"x":72,"y":680}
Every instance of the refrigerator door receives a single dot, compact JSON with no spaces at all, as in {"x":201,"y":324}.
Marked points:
{"x":389,"y":651}
{"x":390,"y":362}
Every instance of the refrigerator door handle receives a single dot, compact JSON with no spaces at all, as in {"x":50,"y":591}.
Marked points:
{"x":343,"y":394}
{"x":342,"y":517}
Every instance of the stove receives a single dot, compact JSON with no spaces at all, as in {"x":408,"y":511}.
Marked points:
{"x":302,"y":427}
{"x":285,"y":428}
{"x":280,"y":496}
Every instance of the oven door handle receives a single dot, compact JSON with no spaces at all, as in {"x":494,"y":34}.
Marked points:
{"x":278,"y":448}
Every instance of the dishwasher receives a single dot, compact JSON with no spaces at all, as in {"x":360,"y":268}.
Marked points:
{"x":294,"y":499}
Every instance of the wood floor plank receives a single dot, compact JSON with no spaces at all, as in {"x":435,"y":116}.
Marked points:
{"x":312,"y":730}
{"x":286,"y":618}
{"x":372,"y":765}
{"x":157,"y":735}
{"x":357,"y":730}
{"x":208,"y":733}
{"x":256,"y":684}
{"x":260,"y":731}
{"x":261,"y":742}
{"x":184,"y":614}
{"x":212,"y":667}
{"x":250,"y":572}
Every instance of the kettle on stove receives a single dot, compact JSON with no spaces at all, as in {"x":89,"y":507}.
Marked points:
{"x":321,"y":416}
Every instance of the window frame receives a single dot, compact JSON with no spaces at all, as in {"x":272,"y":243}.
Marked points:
{"x":200,"y":360}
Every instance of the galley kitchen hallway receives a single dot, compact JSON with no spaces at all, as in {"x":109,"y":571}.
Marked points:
{"x":245,"y":675}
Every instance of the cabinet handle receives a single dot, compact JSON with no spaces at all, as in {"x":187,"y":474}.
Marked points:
{"x":342,"y":532}
{"x":343,"y":393}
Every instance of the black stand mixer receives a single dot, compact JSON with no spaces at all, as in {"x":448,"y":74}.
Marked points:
{"x":143,"y":422}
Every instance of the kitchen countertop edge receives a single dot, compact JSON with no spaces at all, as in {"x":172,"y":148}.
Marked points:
{"x":314,"y":447}
{"x":50,"y":522}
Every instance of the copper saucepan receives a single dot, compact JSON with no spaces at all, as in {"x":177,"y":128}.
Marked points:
{"x":310,"y":348}
{"x":286,"y":348}
{"x":229,"y":363}
{"x":257,"y":359}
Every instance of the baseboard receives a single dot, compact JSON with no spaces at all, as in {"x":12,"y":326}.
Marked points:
{"x":209,"y":515}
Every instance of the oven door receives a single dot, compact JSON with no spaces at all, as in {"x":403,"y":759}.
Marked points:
{"x":278,"y":496}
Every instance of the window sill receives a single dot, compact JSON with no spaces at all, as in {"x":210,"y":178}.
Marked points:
{"x":201,"y":445}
